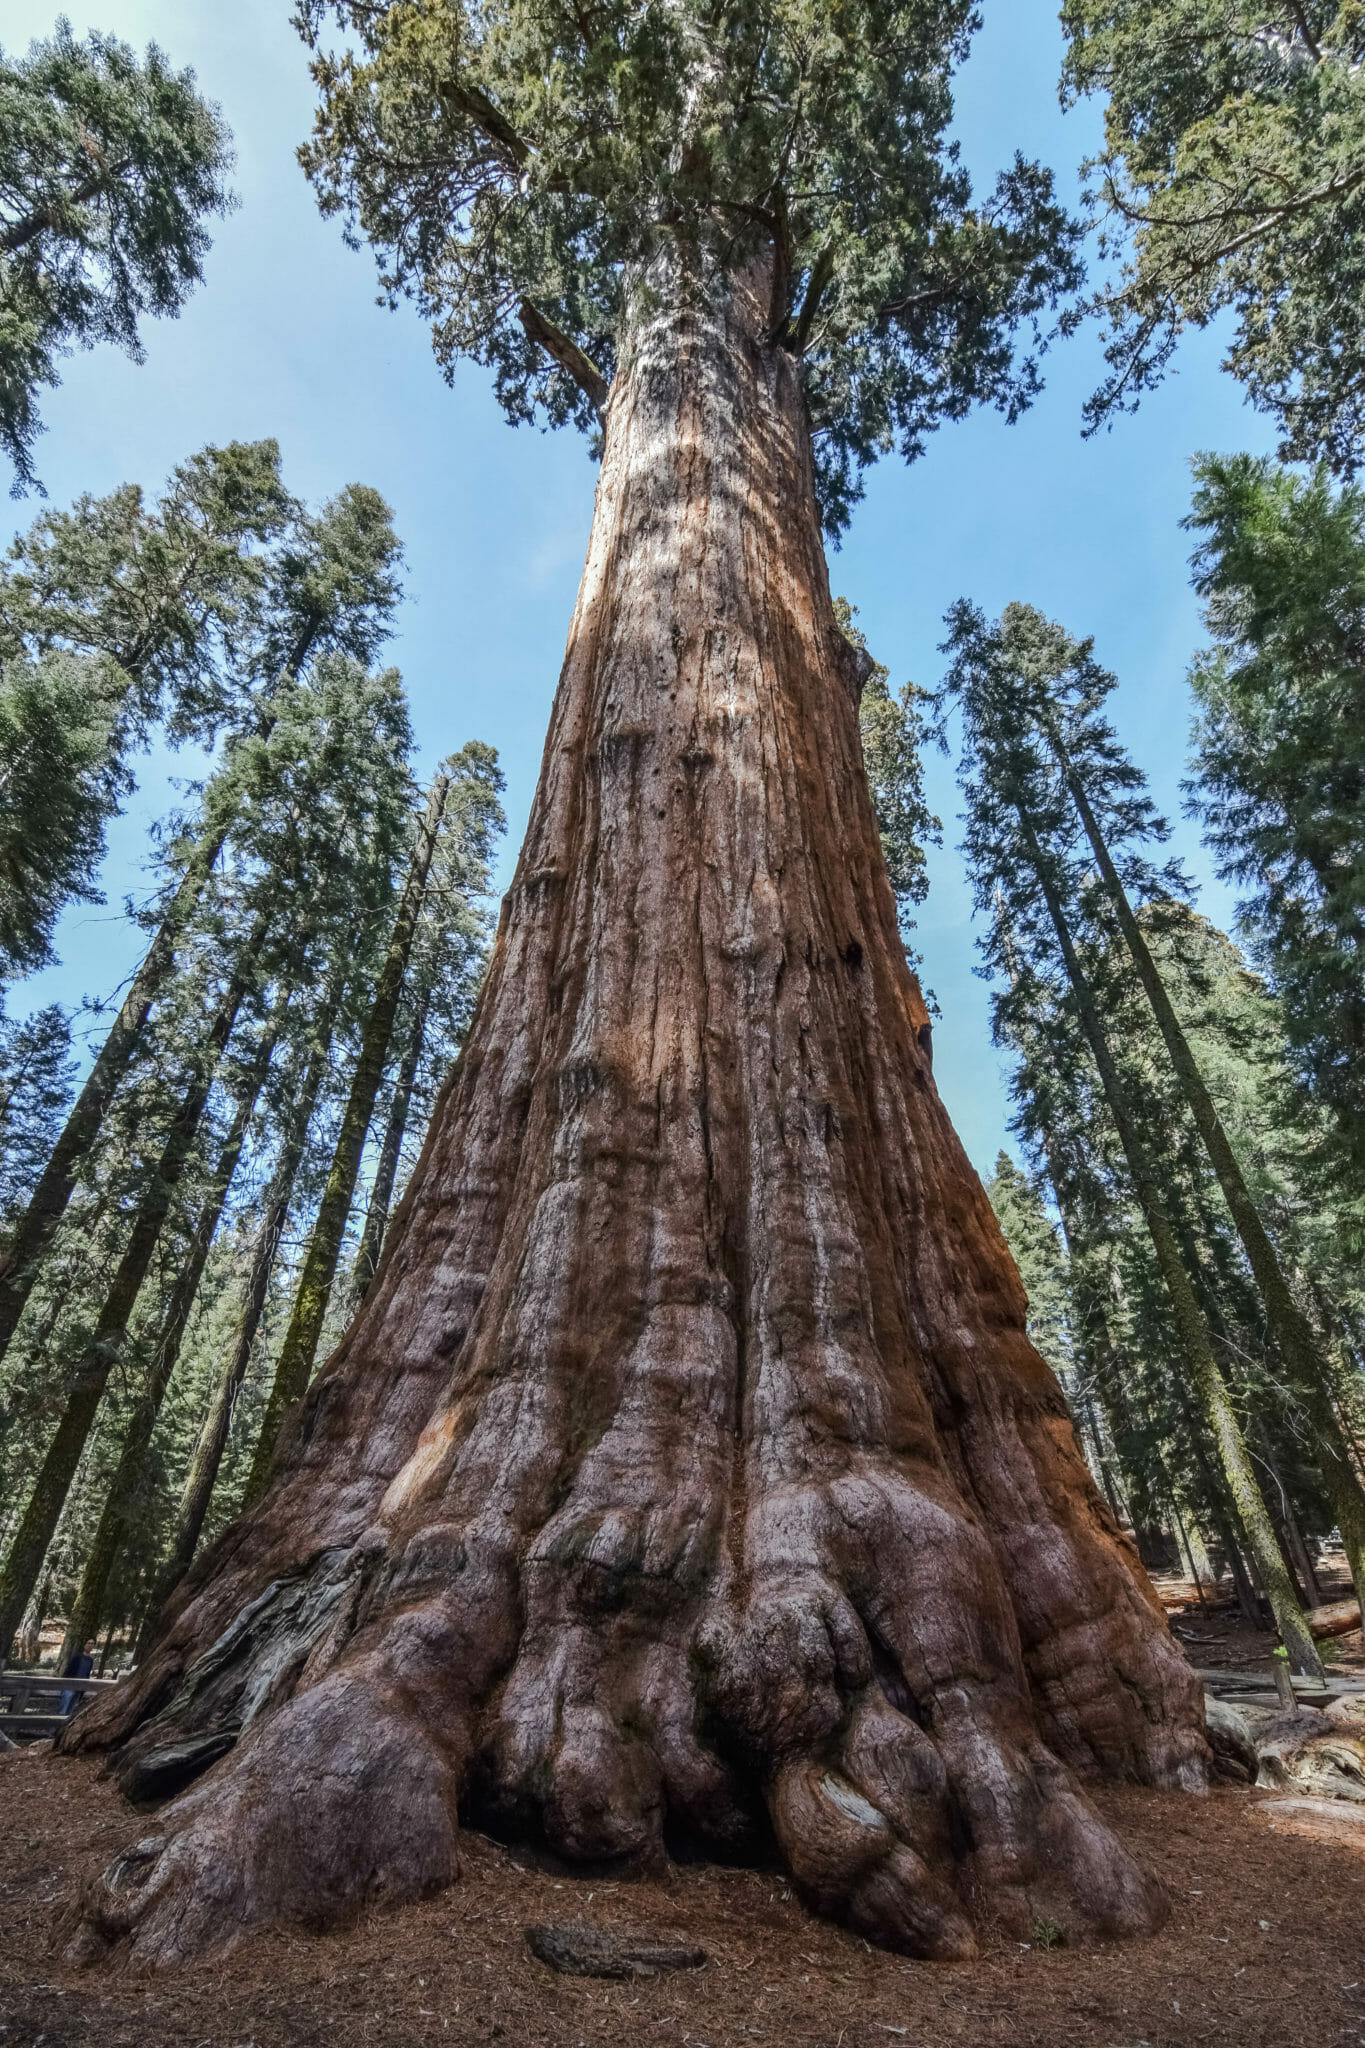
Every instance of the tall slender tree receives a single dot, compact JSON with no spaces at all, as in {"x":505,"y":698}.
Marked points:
{"x":334,"y":588}
{"x":37,"y":1077}
{"x":1279,"y":762}
{"x":320,"y":807}
{"x":450,"y":948}
{"x":87,"y":1610}
{"x":112,"y":616}
{"x":1059,"y":686}
{"x":1020,"y":842}
{"x":299,"y":1349}
{"x":24,"y":1559}
{"x":207,"y":1454}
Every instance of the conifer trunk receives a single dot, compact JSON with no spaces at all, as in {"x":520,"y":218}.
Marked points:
{"x":1289,"y":1326}
{"x":1192,"y":1330}
{"x":688,"y":1475}
{"x":58,"y":1469}
{"x":22,"y":1260}
{"x":390,"y":1152}
{"x":211,"y":1443}
{"x":87,"y":1612}
{"x":295,"y":1362}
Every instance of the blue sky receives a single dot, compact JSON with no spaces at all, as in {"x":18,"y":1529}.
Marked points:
{"x":285,"y":339}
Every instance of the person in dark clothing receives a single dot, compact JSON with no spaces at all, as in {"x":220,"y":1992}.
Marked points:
{"x":78,"y":1666}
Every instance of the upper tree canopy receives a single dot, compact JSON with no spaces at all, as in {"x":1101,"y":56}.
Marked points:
{"x":108,"y":168}
{"x":1233,"y":174}
{"x":517,"y":164}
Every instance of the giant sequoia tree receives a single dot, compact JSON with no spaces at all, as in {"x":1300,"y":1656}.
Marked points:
{"x":688,"y":1473}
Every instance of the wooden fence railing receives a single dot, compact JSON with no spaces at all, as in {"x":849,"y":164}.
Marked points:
{"x":31,"y":1701}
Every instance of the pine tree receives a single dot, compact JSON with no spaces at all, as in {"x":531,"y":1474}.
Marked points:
{"x":109,"y":168}
{"x":694,"y":1325}
{"x":319,"y":812}
{"x":1062,"y":688}
{"x":297,"y":1353}
{"x":1037,"y":1251}
{"x":332,"y":587}
{"x":1280,"y":758}
{"x":450,"y":949}
{"x":87,"y":1612}
{"x":1021,"y":835}
{"x":892,"y":731}
{"x":1169,"y":1469}
{"x":305,"y":1084}
{"x":112,"y":616}
{"x":37,"y":1074}
{"x":58,"y":786}
{"x":1231,"y":178}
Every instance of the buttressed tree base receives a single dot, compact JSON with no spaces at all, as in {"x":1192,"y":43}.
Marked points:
{"x":688,"y":1476}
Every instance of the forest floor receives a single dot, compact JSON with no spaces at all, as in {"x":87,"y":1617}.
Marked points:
{"x":1213,"y":1633}
{"x":1265,"y":1947}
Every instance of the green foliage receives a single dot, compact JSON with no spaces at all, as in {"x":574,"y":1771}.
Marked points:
{"x":60,"y":779}
{"x":172,"y":594}
{"x":1012,"y":681}
{"x":1280,"y":757}
{"x":36,"y":1074}
{"x":109,"y":166}
{"x":456,"y":925}
{"x":533,"y":173}
{"x":1233,"y":176}
{"x":1020,"y":1207}
{"x":1021,"y":684}
{"x":893,"y":731}
{"x":294,"y":846}
{"x":333,"y":584}
{"x":189,"y":610}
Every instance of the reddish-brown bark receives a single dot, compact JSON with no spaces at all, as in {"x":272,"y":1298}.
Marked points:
{"x":688,"y":1473}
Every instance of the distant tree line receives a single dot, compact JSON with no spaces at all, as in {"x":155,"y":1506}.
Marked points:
{"x":185,"y":1228}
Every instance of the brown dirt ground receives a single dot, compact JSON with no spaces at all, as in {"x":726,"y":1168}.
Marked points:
{"x":1265,"y":1949}
{"x":1265,"y":1946}
{"x":1213,"y":1633}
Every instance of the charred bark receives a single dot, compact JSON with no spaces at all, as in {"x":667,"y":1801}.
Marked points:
{"x":688,"y":1472}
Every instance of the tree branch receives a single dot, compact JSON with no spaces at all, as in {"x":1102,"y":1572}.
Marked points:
{"x":494,"y":126}
{"x":566,"y":353}
{"x":44,"y":217}
{"x":822,"y":270}
{"x":1307,"y":34}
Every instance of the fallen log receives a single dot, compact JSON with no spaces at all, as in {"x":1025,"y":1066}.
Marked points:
{"x":1336,"y":1618}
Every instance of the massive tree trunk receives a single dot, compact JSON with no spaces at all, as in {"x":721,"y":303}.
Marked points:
{"x":688,"y":1474}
